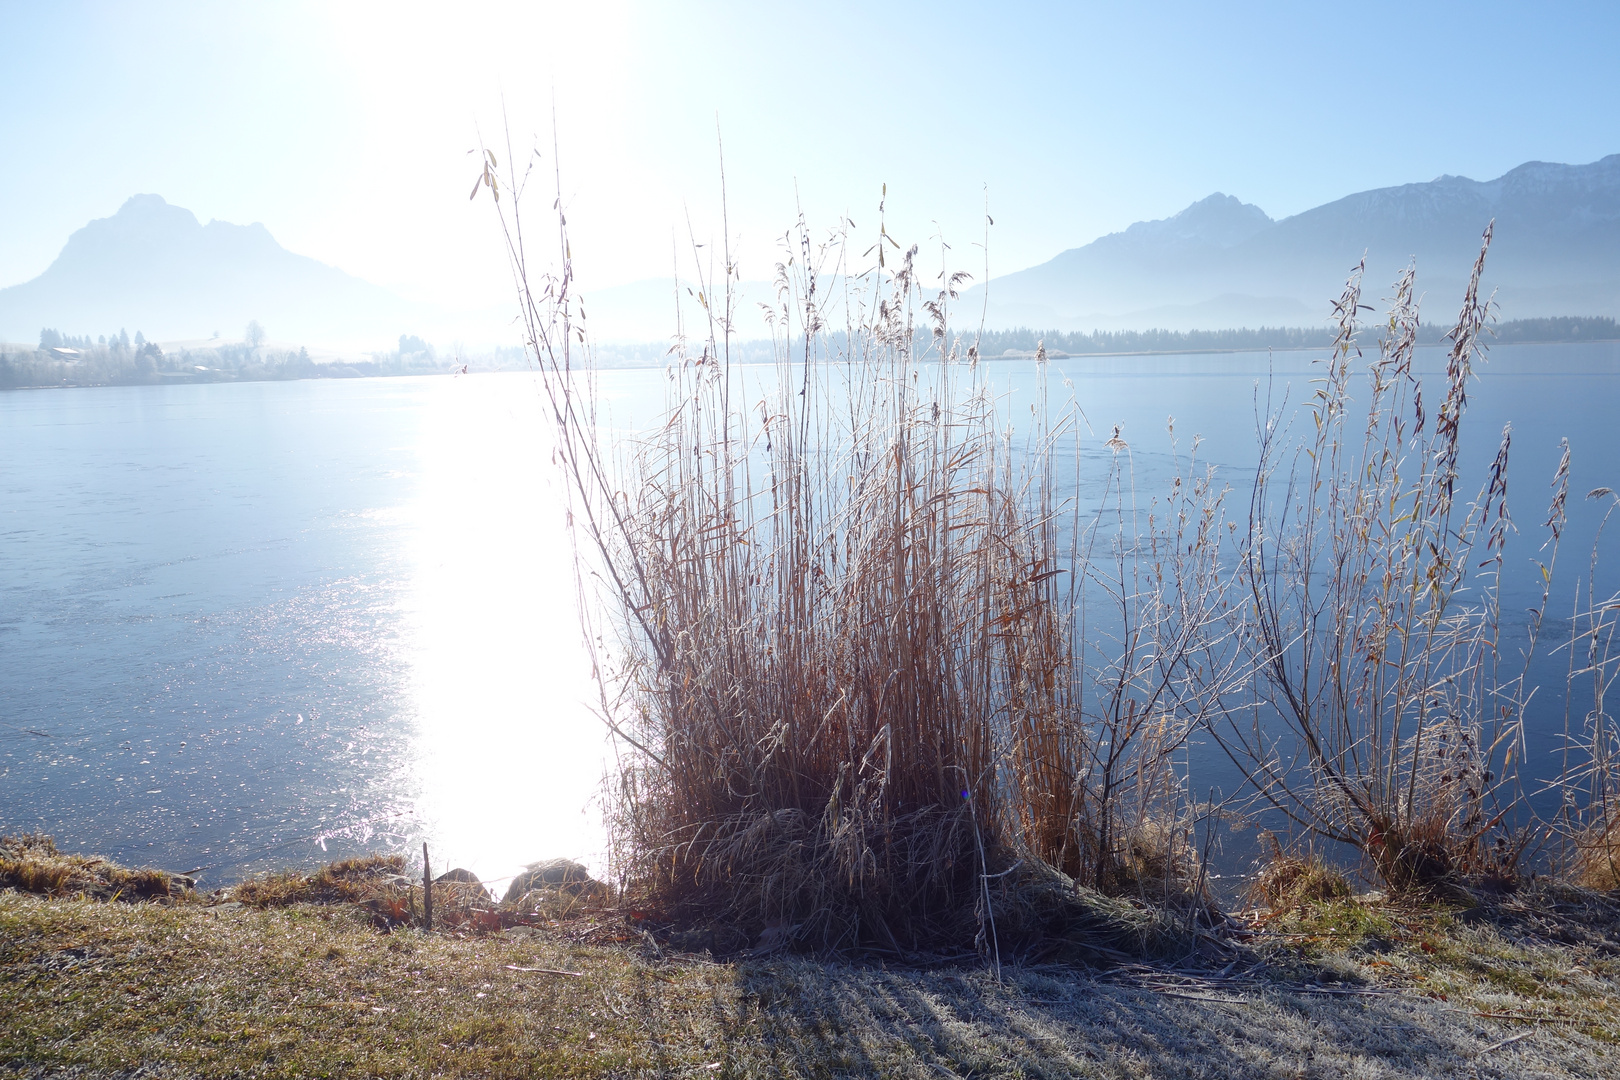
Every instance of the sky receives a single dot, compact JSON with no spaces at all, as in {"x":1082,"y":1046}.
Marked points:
{"x":345,"y":128}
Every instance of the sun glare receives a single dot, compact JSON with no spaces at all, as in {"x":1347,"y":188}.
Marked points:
{"x":508,"y":755}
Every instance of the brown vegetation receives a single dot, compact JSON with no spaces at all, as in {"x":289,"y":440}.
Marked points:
{"x":31,"y":863}
{"x":379,"y":885}
{"x":1597,"y":861}
{"x":1292,"y":881}
{"x":876,"y":684}
{"x":348,"y":881}
{"x":845,"y":649}
{"x":1384,"y":716}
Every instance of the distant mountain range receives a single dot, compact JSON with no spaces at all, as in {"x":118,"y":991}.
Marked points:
{"x":155,"y":268}
{"x":1221,"y":263}
{"x":1224,"y":263}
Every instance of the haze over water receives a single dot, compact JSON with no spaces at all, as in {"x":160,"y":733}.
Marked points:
{"x":260,"y":624}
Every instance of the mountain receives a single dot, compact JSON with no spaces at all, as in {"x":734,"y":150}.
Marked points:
{"x":1223,"y":263}
{"x":155,"y":268}
{"x":1220,"y":263}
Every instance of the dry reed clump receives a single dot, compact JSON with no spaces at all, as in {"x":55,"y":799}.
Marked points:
{"x":1043,"y":915}
{"x":1597,"y":856}
{"x":1288,"y":881}
{"x":1381,"y":719}
{"x":1590,"y":822}
{"x":843,"y":648}
{"x":1153,"y":861}
{"x":379,"y":884}
{"x":31,"y":863}
{"x":347,"y":881}
{"x":863,"y":659}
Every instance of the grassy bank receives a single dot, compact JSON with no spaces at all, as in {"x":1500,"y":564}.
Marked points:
{"x":95,"y":989}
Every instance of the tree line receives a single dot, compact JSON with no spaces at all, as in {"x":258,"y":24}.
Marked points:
{"x":993,"y":343}
{"x":50,"y":338}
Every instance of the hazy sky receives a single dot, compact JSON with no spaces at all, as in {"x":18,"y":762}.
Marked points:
{"x":344,"y":128}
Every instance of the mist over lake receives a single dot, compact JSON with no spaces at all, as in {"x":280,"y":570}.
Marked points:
{"x":251,"y":625}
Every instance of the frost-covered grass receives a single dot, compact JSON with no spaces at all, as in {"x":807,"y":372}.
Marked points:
{"x":96,"y":989}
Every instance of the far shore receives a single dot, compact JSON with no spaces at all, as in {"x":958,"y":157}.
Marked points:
{"x":25,"y":367}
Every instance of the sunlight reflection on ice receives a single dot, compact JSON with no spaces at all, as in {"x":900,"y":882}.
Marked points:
{"x":509,"y":757}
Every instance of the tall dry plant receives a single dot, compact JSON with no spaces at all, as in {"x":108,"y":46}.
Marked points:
{"x":1381,"y":720}
{"x":1146,"y":661}
{"x":1589,"y":817}
{"x":843,"y":615}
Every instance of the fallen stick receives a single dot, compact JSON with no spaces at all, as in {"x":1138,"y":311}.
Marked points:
{"x":1526,"y":1019}
{"x":547,"y":971}
{"x":1505,"y":1042}
{"x":1200,"y":997}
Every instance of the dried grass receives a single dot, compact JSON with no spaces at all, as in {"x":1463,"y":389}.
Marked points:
{"x":379,"y":885}
{"x":348,"y":881}
{"x":1289,"y":881}
{"x":31,"y":863}
{"x":874,"y":681}
{"x":122,"y":989}
{"x":1381,"y":718}
{"x":1597,"y":861}
{"x":845,"y":652}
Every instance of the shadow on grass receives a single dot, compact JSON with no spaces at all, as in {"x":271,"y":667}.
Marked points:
{"x":812,"y":1019}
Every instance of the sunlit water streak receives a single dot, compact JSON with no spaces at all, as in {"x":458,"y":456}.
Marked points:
{"x":508,"y":755}
{"x":246,"y":626}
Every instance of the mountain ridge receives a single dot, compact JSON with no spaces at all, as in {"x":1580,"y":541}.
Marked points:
{"x":153,"y":265}
{"x":1556,"y":252}
{"x":1219,"y":263}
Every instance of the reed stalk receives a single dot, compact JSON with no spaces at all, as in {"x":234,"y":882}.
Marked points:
{"x":839,"y":619}
{"x":879,"y":680}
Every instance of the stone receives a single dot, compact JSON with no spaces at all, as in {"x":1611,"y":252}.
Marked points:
{"x":458,"y":874}
{"x":564,"y":875}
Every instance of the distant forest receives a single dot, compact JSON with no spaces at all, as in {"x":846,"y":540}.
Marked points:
{"x":996,"y":343}
{"x":117,"y":360}
{"x":993,"y":343}
{"x":66,"y":360}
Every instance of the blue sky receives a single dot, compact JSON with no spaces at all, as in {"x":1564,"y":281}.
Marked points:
{"x":344,"y":128}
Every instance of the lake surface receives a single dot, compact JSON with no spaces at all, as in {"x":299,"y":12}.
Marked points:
{"x":262,"y":624}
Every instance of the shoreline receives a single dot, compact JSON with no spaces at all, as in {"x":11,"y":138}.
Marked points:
{"x":185,"y":379}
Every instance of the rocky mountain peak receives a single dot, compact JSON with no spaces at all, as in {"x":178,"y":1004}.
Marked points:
{"x":1219,"y":220}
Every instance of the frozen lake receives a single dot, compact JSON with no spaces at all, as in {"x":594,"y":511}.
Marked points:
{"x":260,"y":624}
